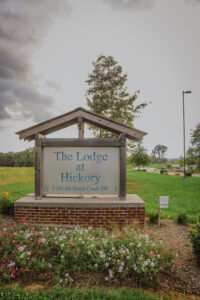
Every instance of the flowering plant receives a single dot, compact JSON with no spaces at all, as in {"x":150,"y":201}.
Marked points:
{"x":59,"y":254}
{"x":194,"y":235}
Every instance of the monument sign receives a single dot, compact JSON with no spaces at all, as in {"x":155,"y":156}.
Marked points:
{"x":79,"y":166}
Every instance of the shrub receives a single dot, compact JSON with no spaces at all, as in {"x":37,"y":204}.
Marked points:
{"x":153,"y":218}
{"x":188,"y":174}
{"x":163,"y":171}
{"x":6,"y":205}
{"x":194,"y":235}
{"x":182,"y":218}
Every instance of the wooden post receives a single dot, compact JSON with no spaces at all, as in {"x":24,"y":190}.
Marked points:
{"x":38,"y":167}
{"x":122,"y":189}
{"x":80,"y":127}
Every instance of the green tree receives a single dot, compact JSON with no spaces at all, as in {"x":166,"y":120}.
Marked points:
{"x":140,"y":157}
{"x":191,"y":158}
{"x":195,"y":141}
{"x":159,"y":152}
{"x":107,"y":94}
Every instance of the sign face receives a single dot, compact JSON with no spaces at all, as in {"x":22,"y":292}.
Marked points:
{"x":163,"y":203}
{"x":81,"y":170}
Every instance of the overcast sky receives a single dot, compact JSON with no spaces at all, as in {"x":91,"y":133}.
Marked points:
{"x":47,"y":48}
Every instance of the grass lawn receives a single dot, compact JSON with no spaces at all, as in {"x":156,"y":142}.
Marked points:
{"x":184,"y":194}
{"x":17,"y":181}
{"x":78,"y":294}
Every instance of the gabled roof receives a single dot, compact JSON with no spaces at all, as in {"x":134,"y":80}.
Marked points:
{"x":71,"y":118}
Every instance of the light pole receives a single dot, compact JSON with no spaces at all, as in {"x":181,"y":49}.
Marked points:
{"x":184,"y":92}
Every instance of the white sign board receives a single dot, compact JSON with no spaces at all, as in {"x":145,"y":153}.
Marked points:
{"x":81,"y":170}
{"x":163,"y":203}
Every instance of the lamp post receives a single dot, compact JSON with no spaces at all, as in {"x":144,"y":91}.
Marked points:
{"x":184,"y":92}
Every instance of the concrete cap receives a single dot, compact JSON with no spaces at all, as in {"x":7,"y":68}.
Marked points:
{"x":132,"y":200}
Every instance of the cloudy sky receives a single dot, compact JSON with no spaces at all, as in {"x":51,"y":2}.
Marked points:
{"x":47,"y":48}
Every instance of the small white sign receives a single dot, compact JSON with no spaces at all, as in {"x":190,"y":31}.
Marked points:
{"x":164,"y":201}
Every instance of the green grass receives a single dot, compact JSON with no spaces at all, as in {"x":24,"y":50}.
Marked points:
{"x":17,"y":181}
{"x":78,"y":294}
{"x":184,"y":194}
{"x":157,"y":166}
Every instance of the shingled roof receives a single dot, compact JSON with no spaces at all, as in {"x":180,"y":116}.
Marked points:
{"x":71,"y":118}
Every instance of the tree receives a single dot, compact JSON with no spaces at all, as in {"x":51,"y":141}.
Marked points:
{"x":107,"y":94}
{"x":140,"y":156}
{"x":195,"y":141}
{"x":159,"y":152}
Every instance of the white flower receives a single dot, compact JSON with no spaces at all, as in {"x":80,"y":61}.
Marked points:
{"x":107,"y":264}
{"x":61,"y":280}
{"x":152,"y":264}
{"x":29,"y":253}
{"x":62,"y":245}
{"x":89,"y":252}
{"x":122,"y":263}
{"x":128,"y":257}
{"x":145,"y":263}
{"x":22,"y":255}
{"x":96,"y":265}
{"x":110,"y":273}
{"x":139,"y":245}
{"x":106,"y":278}
{"x":62,"y":256}
{"x":67,"y":274}
{"x":135,"y":267}
{"x":21,"y":249}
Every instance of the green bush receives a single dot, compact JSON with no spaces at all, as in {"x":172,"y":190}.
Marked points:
{"x":163,"y":171}
{"x":182,"y":218}
{"x":6,"y":205}
{"x":194,"y":235}
{"x":153,"y":218}
{"x":188,"y":174}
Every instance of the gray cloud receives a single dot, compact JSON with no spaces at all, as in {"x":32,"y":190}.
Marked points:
{"x":53,"y":84}
{"x":192,"y":2}
{"x":22,"y":25}
{"x":131,"y":5}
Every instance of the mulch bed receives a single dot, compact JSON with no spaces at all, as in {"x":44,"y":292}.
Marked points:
{"x":184,"y":277}
{"x":181,"y":278}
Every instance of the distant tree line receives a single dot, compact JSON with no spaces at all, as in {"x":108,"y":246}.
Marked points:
{"x":24,"y":158}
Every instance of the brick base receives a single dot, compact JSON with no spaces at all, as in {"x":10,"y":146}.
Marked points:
{"x":81,"y":212}
{"x":94,"y":217}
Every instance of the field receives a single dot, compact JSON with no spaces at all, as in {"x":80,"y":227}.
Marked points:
{"x":184,"y":194}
